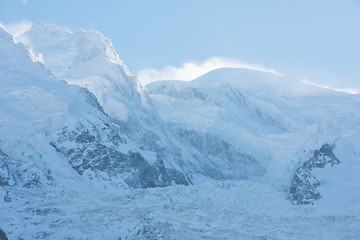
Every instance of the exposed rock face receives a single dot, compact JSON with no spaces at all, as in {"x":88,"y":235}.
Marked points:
{"x":88,"y":149}
{"x":6,"y":178}
{"x":303,"y":188}
{"x":106,"y":127}
{"x":304,"y":185}
{"x":25,"y":173}
{"x":43,"y":113}
{"x":322,"y":157}
{"x":3,"y":235}
{"x":7,"y":197}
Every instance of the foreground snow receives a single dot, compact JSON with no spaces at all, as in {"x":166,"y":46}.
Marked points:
{"x":213,"y":210}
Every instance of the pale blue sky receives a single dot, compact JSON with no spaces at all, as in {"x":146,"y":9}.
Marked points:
{"x":314,"y":39}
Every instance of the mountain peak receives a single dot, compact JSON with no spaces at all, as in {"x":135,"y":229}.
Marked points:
{"x":259,"y":82}
{"x":67,"y":53}
{"x":87,"y":59}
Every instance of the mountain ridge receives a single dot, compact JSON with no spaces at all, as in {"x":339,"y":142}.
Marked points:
{"x":77,"y":143}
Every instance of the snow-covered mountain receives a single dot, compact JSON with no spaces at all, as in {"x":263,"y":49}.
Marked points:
{"x":53,"y":132}
{"x":279,"y":121}
{"x":128,"y":105}
{"x":81,"y":138}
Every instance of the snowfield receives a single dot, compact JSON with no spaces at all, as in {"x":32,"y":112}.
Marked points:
{"x":213,"y":210}
{"x":87,"y":152}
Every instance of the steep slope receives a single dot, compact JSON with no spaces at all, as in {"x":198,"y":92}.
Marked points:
{"x":55,"y":134}
{"x":281,"y":122}
{"x":84,"y":160}
{"x":227,"y":124}
{"x":87,"y":59}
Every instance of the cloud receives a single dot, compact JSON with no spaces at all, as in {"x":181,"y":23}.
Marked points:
{"x":24,"y":1}
{"x":17,"y":28}
{"x":189,"y":71}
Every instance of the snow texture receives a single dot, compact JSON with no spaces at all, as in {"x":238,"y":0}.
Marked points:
{"x":87,"y":152}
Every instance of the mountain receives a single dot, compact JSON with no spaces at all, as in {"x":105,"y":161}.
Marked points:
{"x":278,"y":120}
{"x":283,"y":123}
{"x":86,"y":151}
{"x":70,"y":55}
{"x":53,"y":132}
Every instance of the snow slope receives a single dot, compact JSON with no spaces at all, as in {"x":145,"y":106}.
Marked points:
{"x":87,"y":59}
{"x":56,"y":134}
{"x":278,"y":120}
{"x":84,"y":149}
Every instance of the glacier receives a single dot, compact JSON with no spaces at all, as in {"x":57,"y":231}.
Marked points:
{"x":88,"y":152}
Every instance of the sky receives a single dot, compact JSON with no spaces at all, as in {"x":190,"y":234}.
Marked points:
{"x":314,"y":40}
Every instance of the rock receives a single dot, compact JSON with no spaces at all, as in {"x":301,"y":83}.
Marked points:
{"x":303,"y":189}
{"x":7,"y":197}
{"x":6,"y":178}
{"x":3,"y":235}
{"x":88,"y":149}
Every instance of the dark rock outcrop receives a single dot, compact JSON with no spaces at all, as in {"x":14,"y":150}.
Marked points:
{"x":7,"y":197}
{"x":303,"y":189}
{"x":3,"y":235}
{"x":6,"y":178}
{"x":86,"y":148}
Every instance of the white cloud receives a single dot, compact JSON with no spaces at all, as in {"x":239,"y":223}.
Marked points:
{"x":189,"y":71}
{"x":24,"y":1}
{"x":17,"y":28}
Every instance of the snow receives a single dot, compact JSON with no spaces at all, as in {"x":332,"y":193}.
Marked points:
{"x":87,"y":59}
{"x":198,"y":127}
{"x":214,"y":210}
{"x":340,"y":185}
{"x":278,"y":120}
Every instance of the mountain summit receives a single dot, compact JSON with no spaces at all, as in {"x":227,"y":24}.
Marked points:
{"x":84,"y":146}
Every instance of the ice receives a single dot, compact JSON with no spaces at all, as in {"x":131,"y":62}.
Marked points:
{"x":215,"y":210}
{"x":238,"y":135}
